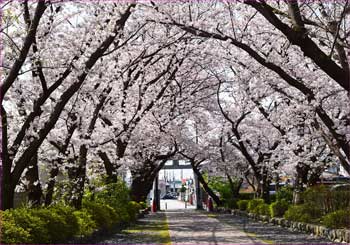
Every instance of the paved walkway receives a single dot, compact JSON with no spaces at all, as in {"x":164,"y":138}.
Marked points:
{"x":268,"y":233}
{"x":152,"y":229}
{"x":194,"y":227}
{"x":188,"y":226}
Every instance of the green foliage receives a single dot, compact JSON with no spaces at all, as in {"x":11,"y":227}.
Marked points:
{"x":246,"y":196}
{"x":303,"y":213}
{"x":85,"y":222}
{"x":278,"y":208}
{"x":60,"y":222}
{"x":321,"y":197}
{"x":183,"y":189}
{"x":285,"y":193}
{"x":243,"y":204}
{"x":10,"y":231}
{"x":337,"y":219}
{"x":103,"y":214}
{"x":30,"y":222}
{"x":143,"y":205}
{"x":133,"y":209}
{"x":223,"y":187}
{"x":263,"y":209}
{"x":253,"y":204}
{"x":114,"y":194}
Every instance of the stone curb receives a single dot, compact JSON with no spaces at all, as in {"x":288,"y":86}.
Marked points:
{"x":336,"y":235}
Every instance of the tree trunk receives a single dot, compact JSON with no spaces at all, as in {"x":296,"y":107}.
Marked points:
{"x":140,"y":188}
{"x":51,"y":185}
{"x":7,"y":188}
{"x":80,"y":178}
{"x":34,"y":187}
{"x":265,"y":187}
{"x":206,"y":187}
{"x":235,"y":187}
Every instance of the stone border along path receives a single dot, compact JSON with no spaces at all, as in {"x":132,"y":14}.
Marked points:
{"x":271,"y":234}
{"x":201,"y":227}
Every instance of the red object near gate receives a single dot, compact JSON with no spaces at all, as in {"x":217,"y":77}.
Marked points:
{"x":210,"y":205}
{"x":154,"y":206}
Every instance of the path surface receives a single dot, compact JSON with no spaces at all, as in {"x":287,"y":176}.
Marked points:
{"x":268,"y":233}
{"x":194,"y":227}
{"x":152,"y":229}
{"x":188,"y":226}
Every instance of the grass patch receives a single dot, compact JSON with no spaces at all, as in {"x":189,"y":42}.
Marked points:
{"x":254,"y":236}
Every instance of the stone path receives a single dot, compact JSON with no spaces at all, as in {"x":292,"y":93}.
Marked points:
{"x":188,"y":226}
{"x":194,"y":227}
{"x":152,"y":229}
{"x":268,"y":233}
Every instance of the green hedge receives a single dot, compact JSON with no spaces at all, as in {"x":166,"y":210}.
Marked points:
{"x":60,"y":223}
{"x":253,"y":205}
{"x":278,"y":208}
{"x":338,"y":219}
{"x":303,"y":213}
{"x":263,"y":209}
{"x":243,"y":204}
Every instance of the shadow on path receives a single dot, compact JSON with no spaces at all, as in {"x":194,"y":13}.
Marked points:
{"x":152,"y":229}
{"x":195,"y":227}
{"x":271,"y":233}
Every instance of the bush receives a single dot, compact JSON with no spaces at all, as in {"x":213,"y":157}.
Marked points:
{"x":143,"y":205}
{"x":325,"y":199}
{"x":246,"y":196}
{"x":263,"y":209}
{"x":133,"y":209}
{"x":278,"y":208}
{"x":243,"y":204}
{"x":30,"y":222}
{"x":10,"y":232}
{"x":103,"y":215}
{"x":303,"y":213}
{"x":85,"y":222}
{"x":60,"y":227}
{"x":285,"y":193}
{"x":338,"y":219}
{"x":253,"y":204}
{"x":114,"y":194}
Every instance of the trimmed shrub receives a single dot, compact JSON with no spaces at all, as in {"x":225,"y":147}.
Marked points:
{"x":263,"y":209}
{"x":278,"y":208}
{"x":285,"y":193}
{"x":338,"y":219}
{"x":303,"y":213}
{"x":243,"y":204}
{"x":325,"y":199}
{"x":10,"y":232}
{"x":253,"y":204}
{"x":30,"y":222}
{"x":59,"y":228}
{"x":85,"y":222}
{"x":115,"y":195}
{"x":133,"y":209}
{"x":104,"y":215}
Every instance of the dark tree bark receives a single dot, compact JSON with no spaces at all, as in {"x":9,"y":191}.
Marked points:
{"x":34,"y":187}
{"x":207,"y":189}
